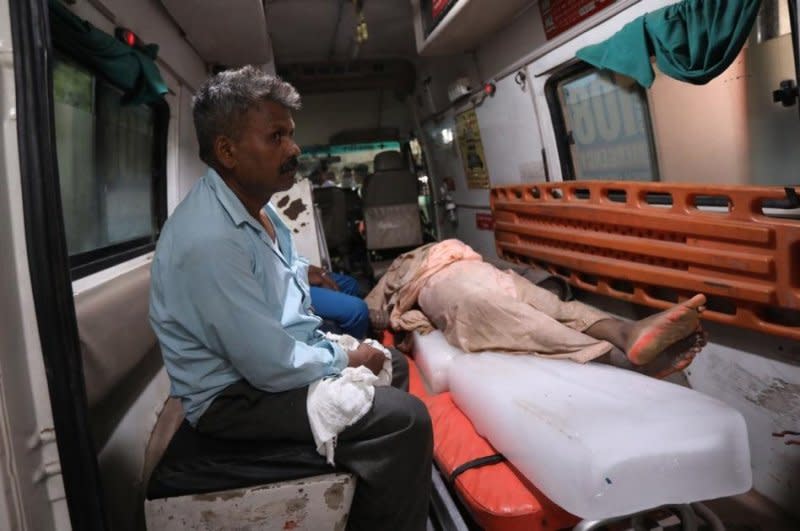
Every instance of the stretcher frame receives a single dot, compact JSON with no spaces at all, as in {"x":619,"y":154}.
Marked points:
{"x":446,"y":512}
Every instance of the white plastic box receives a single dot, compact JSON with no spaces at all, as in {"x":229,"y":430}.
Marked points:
{"x":602,"y":441}
{"x":433,"y":356}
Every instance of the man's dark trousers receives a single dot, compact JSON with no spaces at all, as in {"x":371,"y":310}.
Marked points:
{"x":389,"y":449}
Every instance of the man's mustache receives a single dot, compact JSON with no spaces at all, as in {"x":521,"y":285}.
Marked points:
{"x":290,"y":165}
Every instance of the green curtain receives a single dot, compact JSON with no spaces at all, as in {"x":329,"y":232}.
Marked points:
{"x":132,"y":70}
{"x":693,"y":41}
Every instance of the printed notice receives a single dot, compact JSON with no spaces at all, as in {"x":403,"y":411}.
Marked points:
{"x":469,"y":143}
{"x":560,"y":15}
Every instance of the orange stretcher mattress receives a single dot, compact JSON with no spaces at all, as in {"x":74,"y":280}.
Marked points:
{"x":497,"y":496}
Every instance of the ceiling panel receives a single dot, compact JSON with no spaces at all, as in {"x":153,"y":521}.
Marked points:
{"x":230,"y":32}
{"x":306,"y":30}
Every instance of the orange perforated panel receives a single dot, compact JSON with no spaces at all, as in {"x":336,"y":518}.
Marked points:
{"x":656,"y":243}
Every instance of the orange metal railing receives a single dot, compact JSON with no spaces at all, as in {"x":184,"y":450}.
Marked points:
{"x":657,"y":243}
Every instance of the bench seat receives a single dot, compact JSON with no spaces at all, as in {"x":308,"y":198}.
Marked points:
{"x":194,"y":463}
{"x":200,"y":482}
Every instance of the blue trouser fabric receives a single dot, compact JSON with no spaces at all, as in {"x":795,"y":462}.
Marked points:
{"x":343,"y":307}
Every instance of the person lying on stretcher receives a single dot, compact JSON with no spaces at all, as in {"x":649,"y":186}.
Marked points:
{"x":477,"y":307}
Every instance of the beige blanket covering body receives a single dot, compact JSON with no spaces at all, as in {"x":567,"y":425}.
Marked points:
{"x":446,"y":285}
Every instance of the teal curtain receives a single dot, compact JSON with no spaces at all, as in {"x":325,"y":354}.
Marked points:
{"x":693,"y":41}
{"x":132,"y":70}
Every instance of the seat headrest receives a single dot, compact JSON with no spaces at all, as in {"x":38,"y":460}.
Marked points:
{"x":388,"y":161}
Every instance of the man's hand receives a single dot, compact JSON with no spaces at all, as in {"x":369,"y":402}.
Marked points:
{"x":319,"y":277}
{"x":368,"y":356}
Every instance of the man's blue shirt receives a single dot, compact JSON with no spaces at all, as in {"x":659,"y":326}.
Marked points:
{"x":227,"y":303}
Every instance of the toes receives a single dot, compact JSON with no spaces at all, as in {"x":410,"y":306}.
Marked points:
{"x":676,"y":366}
{"x":696,"y":302}
{"x":666,"y":372}
{"x":702,"y":342}
{"x":701,"y":337}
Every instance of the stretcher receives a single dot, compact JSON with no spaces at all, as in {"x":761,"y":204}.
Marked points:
{"x":497,"y":496}
{"x":529,"y":443}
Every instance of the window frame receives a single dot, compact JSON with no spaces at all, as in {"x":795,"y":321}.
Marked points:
{"x":45,"y":244}
{"x":794,"y":21}
{"x":559,"y":123}
{"x":88,"y":262}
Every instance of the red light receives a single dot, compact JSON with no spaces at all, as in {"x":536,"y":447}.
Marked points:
{"x":489,"y":89}
{"x":128,"y":37}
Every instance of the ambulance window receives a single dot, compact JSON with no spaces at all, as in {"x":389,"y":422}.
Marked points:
{"x":602,"y":126}
{"x":349,"y":163}
{"x":112,"y":169}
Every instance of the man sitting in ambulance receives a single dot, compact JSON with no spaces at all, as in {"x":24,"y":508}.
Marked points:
{"x":231,"y":307}
{"x":477,"y":307}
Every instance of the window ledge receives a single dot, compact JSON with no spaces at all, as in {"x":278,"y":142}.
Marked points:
{"x":106,"y":275}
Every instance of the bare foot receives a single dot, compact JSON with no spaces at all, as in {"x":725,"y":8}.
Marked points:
{"x":650,"y":337}
{"x":676,"y":357}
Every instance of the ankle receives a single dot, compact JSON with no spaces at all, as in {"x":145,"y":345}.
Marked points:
{"x":613,"y":330}
{"x":626,"y":332}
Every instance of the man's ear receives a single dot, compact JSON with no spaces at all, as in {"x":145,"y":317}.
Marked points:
{"x":225,"y":152}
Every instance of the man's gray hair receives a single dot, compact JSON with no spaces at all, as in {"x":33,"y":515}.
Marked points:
{"x":225,"y":98}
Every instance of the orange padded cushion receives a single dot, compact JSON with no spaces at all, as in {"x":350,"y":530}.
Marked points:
{"x":498,"y":497}
{"x":387,"y":338}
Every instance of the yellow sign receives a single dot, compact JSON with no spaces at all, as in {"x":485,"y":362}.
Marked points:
{"x":469,"y":143}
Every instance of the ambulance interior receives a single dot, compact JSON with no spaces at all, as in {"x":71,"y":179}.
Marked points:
{"x":421,"y":120}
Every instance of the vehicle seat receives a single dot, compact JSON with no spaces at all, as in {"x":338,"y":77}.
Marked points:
{"x":340,"y":209}
{"x":391,"y":212}
{"x":146,"y":449}
{"x":332,"y":205}
{"x":208,"y":483}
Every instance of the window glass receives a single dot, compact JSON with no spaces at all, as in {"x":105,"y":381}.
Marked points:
{"x":105,"y":152}
{"x":74,"y":116}
{"x":124,"y":166}
{"x":608,"y":132}
{"x":345,"y":165}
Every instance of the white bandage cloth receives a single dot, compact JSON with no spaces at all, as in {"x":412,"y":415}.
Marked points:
{"x":336,"y":402}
